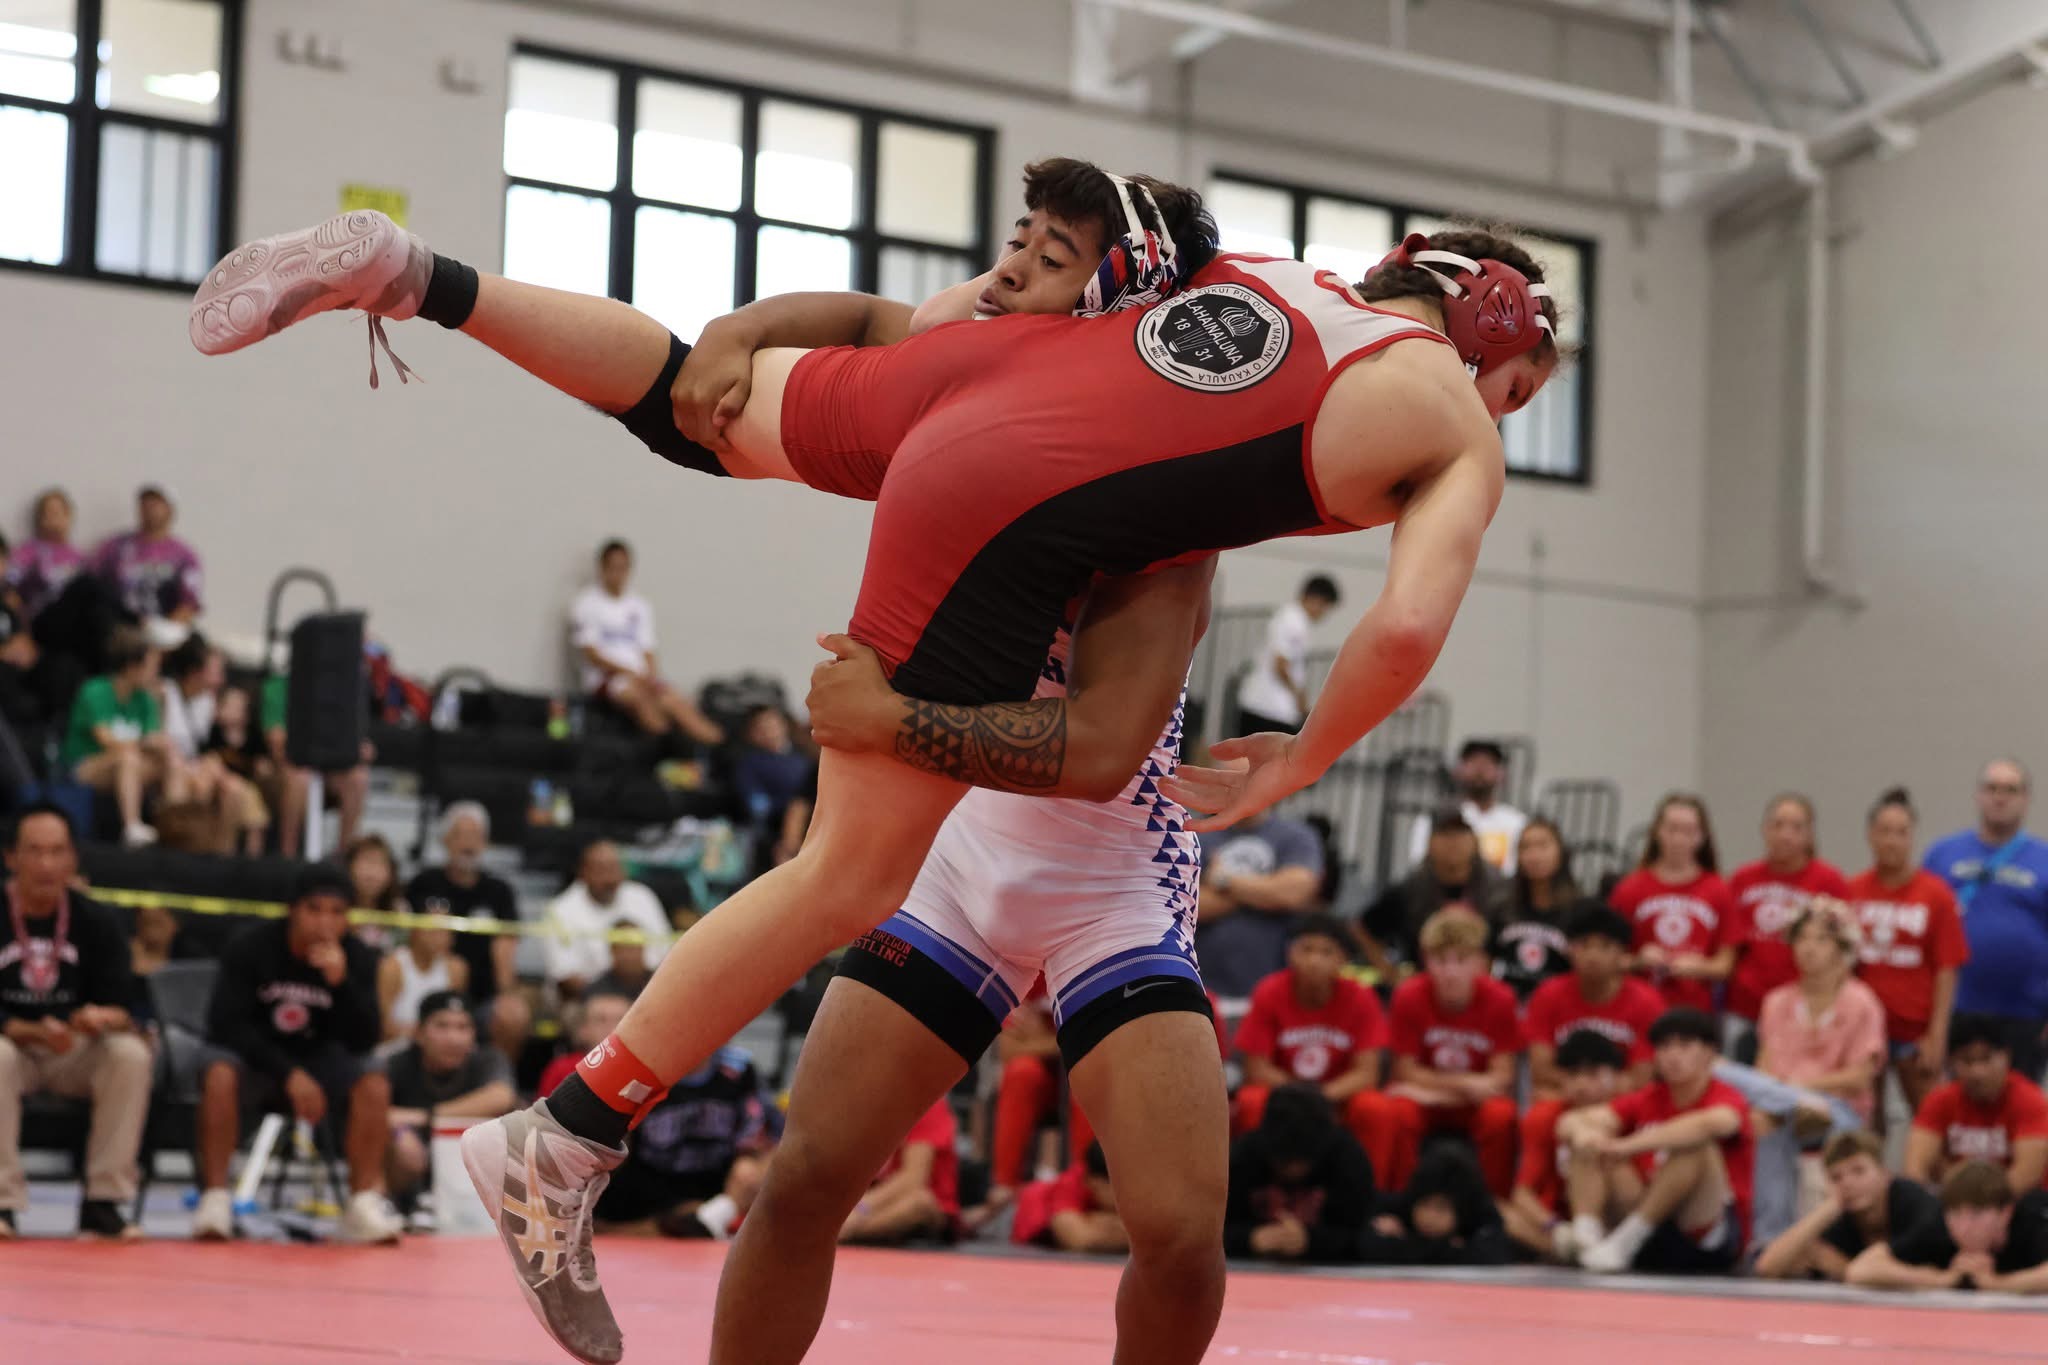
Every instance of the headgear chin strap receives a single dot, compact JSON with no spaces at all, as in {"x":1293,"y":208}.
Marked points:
{"x":1142,"y":266}
{"x":1492,"y":312}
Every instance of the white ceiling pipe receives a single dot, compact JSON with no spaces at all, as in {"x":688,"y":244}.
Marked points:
{"x":1465,"y":73}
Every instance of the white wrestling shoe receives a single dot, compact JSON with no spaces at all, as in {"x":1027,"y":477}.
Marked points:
{"x":541,"y":1183}
{"x":353,"y":260}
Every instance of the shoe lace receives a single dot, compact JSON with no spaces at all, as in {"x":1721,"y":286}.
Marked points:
{"x":406,"y":374}
{"x":582,"y":1256}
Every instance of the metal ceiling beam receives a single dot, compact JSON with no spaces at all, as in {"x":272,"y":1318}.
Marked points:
{"x":1825,"y":41}
{"x":1465,"y":73}
{"x":1710,"y":20}
{"x":1955,"y":79}
{"x":1194,"y":43}
{"x":1930,"y":54}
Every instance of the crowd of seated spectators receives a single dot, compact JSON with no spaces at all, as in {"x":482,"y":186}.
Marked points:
{"x":1683,"y":1071}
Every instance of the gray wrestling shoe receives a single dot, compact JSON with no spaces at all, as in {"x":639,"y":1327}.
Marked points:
{"x":353,"y":260}
{"x":540,"y":1183}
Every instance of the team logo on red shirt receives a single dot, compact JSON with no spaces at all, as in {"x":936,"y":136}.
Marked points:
{"x":1215,"y":339}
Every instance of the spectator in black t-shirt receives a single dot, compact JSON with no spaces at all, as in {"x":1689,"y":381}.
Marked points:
{"x":294,"y":1012}
{"x":696,"y":1161}
{"x":1529,"y":944}
{"x":20,"y":700}
{"x":1451,"y":873}
{"x":1866,"y":1205}
{"x":460,"y":886}
{"x":442,"y":1074}
{"x":64,"y":1022}
{"x":1985,"y":1239}
{"x":1301,"y":1188}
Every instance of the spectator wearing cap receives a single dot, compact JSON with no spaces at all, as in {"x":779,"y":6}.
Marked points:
{"x":600,"y":900}
{"x":41,"y":567}
{"x":1482,"y":765}
{"x":461,"y":887}
{"x":1258,"y":879}
{"x":1274,"y":695}
{"x":1301,"y":1188}
{"x":1599,"y":994}
{"x":1866,"y":1206}
{"x":441,"y":1074}
{"x":115,"y":740}
{"x":1679,"y":906}
{"x":1660,"y":1177}
{"x":65,"y":988}
{"x":1988,"y":1237}
{"x":155,"y":574}
{"x":1589,"y":1069}
{"x":1999,"y":873}
{"x":1989,"y":1112}
{"x":1451,"y":873}
{"x":1455,"y":1044}
{"x":294,"y":1017}
{"x":612,"y":628}
{"x":1310,"y":1024}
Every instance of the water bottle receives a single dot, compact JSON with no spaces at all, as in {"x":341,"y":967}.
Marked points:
{"x":540,"y":806}
{"x":565,"y":812}
{"x":558,"y":719}
{"x":448,"y":709}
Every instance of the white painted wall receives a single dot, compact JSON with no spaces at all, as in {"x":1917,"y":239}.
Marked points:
{"x":1937,"y":488}
{"x":461,"y":511}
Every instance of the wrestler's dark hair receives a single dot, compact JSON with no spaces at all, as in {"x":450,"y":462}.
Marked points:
{"x":1385,"y":282}
{"x":1081,"y":192}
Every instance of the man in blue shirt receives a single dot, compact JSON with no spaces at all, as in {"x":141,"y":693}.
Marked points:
{"x":2000,"y":876}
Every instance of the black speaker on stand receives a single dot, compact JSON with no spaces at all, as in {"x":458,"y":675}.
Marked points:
{"x":326,"y":711}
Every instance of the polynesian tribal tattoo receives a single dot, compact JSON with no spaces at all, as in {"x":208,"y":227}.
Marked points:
{"x":1015,"y":746}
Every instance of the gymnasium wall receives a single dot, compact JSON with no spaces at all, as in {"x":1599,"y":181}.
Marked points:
{"x":462,"y":510}
{"x":1936,"y":487}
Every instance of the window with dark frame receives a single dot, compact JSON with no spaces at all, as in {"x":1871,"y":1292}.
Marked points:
{"x":1550,"y":438}
{"x":117,"y":140}
{"x":689,"y":196}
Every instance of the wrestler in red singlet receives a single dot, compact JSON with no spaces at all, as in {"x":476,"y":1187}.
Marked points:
{"x":1030,"y":453}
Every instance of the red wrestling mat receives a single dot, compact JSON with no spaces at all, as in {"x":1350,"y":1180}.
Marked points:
{"x":438,"y":1303}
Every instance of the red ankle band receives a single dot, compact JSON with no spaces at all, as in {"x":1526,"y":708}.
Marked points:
{"x":620,"y":1079}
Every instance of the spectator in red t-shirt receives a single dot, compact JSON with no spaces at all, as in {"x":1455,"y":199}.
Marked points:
{"x":1026,"y":1095}
{"x":1679,"y":906}
{"x":1767,"y":895}
{"x":1599,"y":995}
{"x":1987,"y":1113}
{"x":1455,"y":1039}
{"x":1074,"y":1211}
{"x":1589,"y":1066}
{"x":1308,"y":1022}
{"x":1672,"y":1159}
{"x":1913,"y":946}
{"x":917,"y":1192}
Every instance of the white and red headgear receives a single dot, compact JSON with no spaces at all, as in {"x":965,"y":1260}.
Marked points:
{"x":1492,"y":311}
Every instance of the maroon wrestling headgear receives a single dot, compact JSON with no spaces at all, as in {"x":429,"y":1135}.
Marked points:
{"x":1492,"y":311}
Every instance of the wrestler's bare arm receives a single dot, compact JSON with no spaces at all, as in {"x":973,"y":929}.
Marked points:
{"x":1128,"y":663}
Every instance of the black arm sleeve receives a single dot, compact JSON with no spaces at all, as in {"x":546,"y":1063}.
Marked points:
{"x":235,"y":1016}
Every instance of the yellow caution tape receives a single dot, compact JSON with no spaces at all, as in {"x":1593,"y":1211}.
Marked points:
{"x":385,"y":919}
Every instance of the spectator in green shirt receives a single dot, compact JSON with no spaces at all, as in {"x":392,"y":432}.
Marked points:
{"x":115,"y":740}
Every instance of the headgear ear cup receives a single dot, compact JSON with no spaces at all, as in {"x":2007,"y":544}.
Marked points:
{"x":1492,"y":312}
{"x":1141,"y":267}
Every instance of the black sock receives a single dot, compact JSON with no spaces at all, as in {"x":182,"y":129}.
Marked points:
{"x":577,"y":1108}
{"x":451,"y":292}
